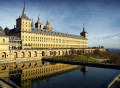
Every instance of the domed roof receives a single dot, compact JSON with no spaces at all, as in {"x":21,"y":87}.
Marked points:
{"x":48,"y":26}
{"x":38,"y":22}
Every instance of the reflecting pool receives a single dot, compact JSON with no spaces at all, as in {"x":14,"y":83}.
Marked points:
{"x":37,"y":74}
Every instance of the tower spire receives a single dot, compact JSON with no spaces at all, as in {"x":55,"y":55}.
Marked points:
{"x":24,"y":13}
{"x":39,"y":17}
{"x":32,"y":25}
{"x":83,"y":28}
{"x":48,"y":20}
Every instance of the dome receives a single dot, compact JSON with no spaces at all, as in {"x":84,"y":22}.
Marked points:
{"x":38,"y":22}
{"x":48,"y":26}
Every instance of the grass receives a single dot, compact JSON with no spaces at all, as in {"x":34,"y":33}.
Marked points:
{"x":75,"y":58}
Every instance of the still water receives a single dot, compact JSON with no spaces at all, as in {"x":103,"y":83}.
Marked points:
{"x":55,"y":75}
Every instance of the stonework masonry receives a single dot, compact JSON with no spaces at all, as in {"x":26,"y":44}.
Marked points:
{"x":25,"y":41}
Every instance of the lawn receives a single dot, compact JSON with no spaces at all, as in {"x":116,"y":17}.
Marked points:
{"x":75,"y":58}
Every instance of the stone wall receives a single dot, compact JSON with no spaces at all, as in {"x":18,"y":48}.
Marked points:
{"x":20,"y":54}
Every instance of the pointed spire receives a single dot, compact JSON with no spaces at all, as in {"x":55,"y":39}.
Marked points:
{"x":48,"y":26}
{"x":38,"y":17}
{"x":48,"y":20}
{"x":32,"y":25}
{"x":83,"y":28}
{"x":24,"y":13}
{"x":38,"y":22}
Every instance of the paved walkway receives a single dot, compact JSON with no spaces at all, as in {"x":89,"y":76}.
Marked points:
{"x":4,"y":85}
{"x":115,"y":83}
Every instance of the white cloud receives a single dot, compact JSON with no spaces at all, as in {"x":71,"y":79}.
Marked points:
{"x":116,"y":37}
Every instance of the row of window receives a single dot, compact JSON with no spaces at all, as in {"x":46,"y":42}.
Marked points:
{"x":43,"y":70}
{"x":41,"y":39}
{"x":53,"y":45}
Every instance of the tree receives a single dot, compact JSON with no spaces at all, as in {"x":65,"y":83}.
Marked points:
{"x":96,"y":51}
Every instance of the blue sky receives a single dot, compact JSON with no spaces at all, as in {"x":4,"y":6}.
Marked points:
{"x":101,"y":17}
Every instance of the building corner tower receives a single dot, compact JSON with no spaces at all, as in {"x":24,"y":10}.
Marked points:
{"x":84,"y":33}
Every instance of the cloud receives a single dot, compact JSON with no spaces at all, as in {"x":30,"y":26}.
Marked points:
{"x":102,"y":20}
{"x":116,"y":37}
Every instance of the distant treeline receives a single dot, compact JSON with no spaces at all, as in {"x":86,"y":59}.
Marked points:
{"x":112,"y":56}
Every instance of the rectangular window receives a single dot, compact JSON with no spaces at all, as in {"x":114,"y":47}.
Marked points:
{"x":3,"y":40}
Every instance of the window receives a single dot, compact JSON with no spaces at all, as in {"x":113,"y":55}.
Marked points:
{"x":3,"y":40}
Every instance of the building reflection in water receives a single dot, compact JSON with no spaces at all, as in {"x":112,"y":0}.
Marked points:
{"x":25,"y":73}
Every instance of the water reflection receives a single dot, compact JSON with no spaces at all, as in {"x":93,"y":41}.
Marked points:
{"x":26,"y":73}
{"x":84,"y":69}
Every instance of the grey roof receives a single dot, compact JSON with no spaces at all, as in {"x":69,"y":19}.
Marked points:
{"x":14,"y":38}
{"x":2,"y":33}
{"x":24,"y":17}
{"x":1,"y":29}
{"x":54,"y":33}
{"x":12,"y":30}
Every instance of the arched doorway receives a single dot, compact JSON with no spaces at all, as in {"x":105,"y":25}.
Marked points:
{"x":69,"y":52}
{"x":66,"y":53}
{"x":50,"y":53}
{"x":54,"y":53}
{"x":43,"y":53}
{"x":3,"y":55}
{"x":80,"y":52}
{"x":23,"y":55}
{"x":15,"y":55}
{"x":62,"y":52}
{"x":58,"y":52}
{"x":29,"y":54}
{"x":35,"y":55}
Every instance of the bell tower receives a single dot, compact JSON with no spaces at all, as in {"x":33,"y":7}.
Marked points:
{"x":23,"y":23}
{"x":38,"y":24}
{"x":84,"y":33}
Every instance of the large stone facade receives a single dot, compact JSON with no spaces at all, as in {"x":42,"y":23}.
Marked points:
{"x":25,"y":41}
{"x":40,"y":37}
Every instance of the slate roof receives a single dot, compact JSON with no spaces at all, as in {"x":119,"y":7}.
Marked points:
{"x":50,"y":32}
{"x":14,"y":38}
{"x":12,"y":31}
{"x":1,"y":29}
{"x":54,"y":33}
{"x":2,"y":33}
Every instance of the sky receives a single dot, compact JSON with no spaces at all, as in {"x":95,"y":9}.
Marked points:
{"x":100,"y":17}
